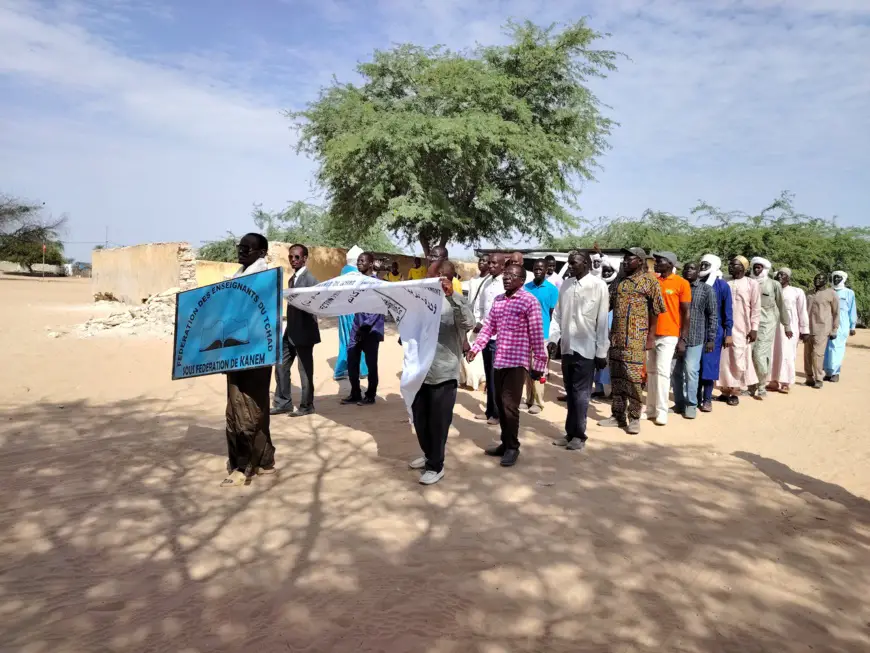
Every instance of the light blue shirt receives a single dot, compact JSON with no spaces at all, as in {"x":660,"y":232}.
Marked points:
{"x":547,"y":295}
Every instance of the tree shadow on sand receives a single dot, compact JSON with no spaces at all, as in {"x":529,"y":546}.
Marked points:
{"x":117,"y":537}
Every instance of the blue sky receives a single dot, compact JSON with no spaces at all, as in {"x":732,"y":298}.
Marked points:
{"x":162,"y":121}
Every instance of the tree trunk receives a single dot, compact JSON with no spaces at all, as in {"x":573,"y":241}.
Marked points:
{"x":425,"y":244}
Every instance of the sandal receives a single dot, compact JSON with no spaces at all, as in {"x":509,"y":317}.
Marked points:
{"x":236,"y":479}
{"x":732,"y":400}
{"x":784,"y":390}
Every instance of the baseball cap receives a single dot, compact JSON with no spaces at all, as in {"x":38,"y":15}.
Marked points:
{"x":637,"y":251}
{"x":669,"y":256}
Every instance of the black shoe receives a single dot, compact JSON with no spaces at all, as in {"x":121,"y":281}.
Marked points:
{"x":281,"y":411}
{"x":835,"y":378}
{"x":828,"y":377}
{"x":495,"y":452}
{"x":509,"y":459}
{"x":366,"y":401}
{"x":811,"y":383}
{"x":302,"y":412}
{"x":350,"y":399}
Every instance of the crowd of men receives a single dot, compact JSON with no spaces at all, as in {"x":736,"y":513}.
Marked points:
{"x":616,"y":327}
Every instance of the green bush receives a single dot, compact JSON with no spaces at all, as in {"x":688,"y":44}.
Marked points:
{"x":806,"y":244}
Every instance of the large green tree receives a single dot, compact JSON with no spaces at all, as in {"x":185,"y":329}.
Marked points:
{"x":300,"y":222}
{"x":442,"y":146}
{"x":806,"y":244}
{"x":24,"y":230}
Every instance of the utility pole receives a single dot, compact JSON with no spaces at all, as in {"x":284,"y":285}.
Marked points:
{"x":107,"y":237}
{"x":43,"y":261}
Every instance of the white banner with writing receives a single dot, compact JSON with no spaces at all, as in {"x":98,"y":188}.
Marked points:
{"x":414,"y":305}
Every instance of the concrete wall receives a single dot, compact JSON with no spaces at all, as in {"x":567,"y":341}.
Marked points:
{"x":132,"y":274}
{"x":209,"y":272}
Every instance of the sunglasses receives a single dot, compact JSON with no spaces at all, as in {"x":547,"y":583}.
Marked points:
{"x":296,"y":257}
{"x":244,"y":249}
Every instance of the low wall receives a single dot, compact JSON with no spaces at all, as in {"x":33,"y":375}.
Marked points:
{"x":209,"y":272}
{"x":132,"y":274}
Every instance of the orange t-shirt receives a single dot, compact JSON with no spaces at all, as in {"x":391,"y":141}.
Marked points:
{"x":675,"y":291}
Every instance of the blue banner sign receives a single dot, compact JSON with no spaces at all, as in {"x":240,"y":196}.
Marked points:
{"x":228,"y":326}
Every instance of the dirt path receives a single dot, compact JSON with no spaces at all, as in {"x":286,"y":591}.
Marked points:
{"x":747,"y":530}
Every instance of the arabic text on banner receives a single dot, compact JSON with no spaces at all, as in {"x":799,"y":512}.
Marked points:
{"x":414,"y":305}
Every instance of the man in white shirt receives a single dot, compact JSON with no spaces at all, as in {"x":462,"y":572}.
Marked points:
{"x":491,"y":288}
{"x":580,"y":320}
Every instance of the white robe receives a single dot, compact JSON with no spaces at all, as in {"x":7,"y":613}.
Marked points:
{"x":785,"y":349}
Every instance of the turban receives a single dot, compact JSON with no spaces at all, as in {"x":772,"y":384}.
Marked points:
{"x":714,"y":271}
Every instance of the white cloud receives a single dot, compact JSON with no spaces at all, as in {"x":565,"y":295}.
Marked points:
{"x":730,"y":100}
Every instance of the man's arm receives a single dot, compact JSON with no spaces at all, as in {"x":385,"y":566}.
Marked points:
{"x":535,"y":323}
{"x":835,"y":312}
{"x":783,"y":311}
{"x":490,"y":326}
{"x":655,"y":307}
{"x":463,"y":318}
{"x":602,"y":332}
{"x":555,"y":324}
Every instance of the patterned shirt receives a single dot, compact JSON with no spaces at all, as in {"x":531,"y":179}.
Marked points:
{"x":632,"y":299}
{"x":703,"y":316}
{"x":517,"y":320}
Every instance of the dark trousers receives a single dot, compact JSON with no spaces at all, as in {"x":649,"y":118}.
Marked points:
{"x":368,"y":345}
{"x":283,"y":399}
{"x":706,"y":392}
{"x":509,"y":384}
{"x":433,"y":414}
{"x":488,"y":360}
{"x":249,"y":442}
{"x":577,"y":374}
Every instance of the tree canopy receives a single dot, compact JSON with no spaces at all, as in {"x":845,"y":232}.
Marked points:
{"x":441,"y":146}
{"x":806,"y":244}
{"x":300,"y":222}
{"x":23,"y":232}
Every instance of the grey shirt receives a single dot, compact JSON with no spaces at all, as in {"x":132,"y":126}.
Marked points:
{"x":456,"y":321}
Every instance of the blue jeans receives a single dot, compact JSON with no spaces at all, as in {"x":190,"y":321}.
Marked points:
{"x":685,"y":378}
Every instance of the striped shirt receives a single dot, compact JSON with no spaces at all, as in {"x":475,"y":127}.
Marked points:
{"x":703,"y":316}
{"x":517,"y":321}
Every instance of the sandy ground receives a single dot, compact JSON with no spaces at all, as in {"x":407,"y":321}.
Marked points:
{"x":747,"y":530}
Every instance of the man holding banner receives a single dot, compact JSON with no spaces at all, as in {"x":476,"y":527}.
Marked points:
{"x":435,"y":400}
{"x":249,"y":441}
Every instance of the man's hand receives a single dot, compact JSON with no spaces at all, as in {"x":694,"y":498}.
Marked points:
{"x":600,"y":363}
{"x":753,"y":336}
{"x":681,"y":347}
{"x":466,"y":346}
{"x":536,"y":375}
{"x":650,"y":341}
{"x":477,"y":327}
{"x":851,"y":332}
{"x":709,"y":347}
{"x":789,"y":333}
{"x":728,"y":342}
{"x":446,"y":286}
{"x":805,"y":337}
{"x":833,"y":336}
{"x":551,"y":349}
{"x":470,"y":355}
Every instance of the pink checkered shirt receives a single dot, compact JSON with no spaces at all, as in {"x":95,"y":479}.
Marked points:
{"x":517,"y":321}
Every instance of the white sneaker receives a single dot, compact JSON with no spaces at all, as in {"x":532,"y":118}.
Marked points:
{"x":561,"y":442}
{"x":430,"y":478}
{"x":576,"y":445}
{"x":418,"y":463}
{"x":661,"y":419}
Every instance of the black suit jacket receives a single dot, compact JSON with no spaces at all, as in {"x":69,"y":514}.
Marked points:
{"x":302,"y":329}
